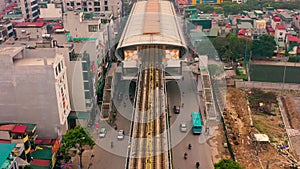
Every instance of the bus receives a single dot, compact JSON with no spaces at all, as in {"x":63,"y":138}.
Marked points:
{"x":197,"y":124}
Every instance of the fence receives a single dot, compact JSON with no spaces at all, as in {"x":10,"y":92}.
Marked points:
{"x":267,"y":85}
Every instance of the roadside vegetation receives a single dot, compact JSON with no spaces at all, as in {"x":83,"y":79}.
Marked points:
{"x":227,"y":164}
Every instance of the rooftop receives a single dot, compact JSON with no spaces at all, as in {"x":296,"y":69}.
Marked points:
{"x":280,"y":27}
{"x":34,"y":61}
{"x":10,"y":51}
{"x":168,"y":32}
{"x":261,"y":138}
{"x":5,"y":150}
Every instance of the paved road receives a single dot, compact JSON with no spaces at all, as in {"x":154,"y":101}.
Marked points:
{"x":200,"y":150}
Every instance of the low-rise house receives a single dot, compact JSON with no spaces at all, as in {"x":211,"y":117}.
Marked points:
{"x":279,"y":37}
{"x":293,"y":45}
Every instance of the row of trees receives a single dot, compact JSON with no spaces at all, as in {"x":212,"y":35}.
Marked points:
{"x":232,"y":8}
{"x":233,"y":48}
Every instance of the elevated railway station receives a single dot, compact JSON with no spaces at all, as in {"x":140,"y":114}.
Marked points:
{"x":152,"y":23}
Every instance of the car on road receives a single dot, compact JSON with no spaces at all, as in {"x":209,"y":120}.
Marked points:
{"x":183,"y":127}
{"x":228,"y":67}
{"x":121,"y":135}
{"x":176,"y":109}
{"x":102,"y":132}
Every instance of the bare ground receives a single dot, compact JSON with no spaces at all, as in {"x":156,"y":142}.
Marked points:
{"x":240,"y":133}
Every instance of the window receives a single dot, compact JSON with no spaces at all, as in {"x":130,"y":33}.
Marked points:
{"x":106,"y":8}
{"x":85,"y":75}
{"x":78,"y":3}
{"x":62,"y":64}
{"x":72,"y":3}
{"x":96,"y":3}
{"x":86,"y":85}
{"x":90,"y":3}
{"x":85,"y":9}
{"x":68,"y":4}
{"x":84,"y":3}
{"x":87,"y":95}
{"x":97,"y":9}
{"x":93,"y":28}
{"x":280,"y":33}
{"x":90,"y":9}
{"x":84,"y":66}
{"x":105,"y":2}
{"x":59,"y":67}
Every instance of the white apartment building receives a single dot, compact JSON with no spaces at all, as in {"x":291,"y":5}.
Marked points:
{"x":34,"y":89}
{"x":95,"y":6}
{"x":30,"y":9}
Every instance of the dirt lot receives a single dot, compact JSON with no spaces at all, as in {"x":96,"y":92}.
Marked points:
{"x":240,"y":132}
{"x":292,"y":107}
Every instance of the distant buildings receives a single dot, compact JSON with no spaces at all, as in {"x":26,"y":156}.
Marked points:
{"x":6,"y":30}
{"x":115,"y":6}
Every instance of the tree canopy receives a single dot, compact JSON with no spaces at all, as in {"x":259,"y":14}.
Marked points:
{"x":231,"y":47}
{"x":263,"y":48}
{"x":76,"y":139}
{"x":227,"y":164}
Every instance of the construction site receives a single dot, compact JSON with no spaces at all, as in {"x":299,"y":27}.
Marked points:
{"x":257,"y":132}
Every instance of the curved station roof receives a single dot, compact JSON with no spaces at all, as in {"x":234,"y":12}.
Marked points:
{"x":152,"y":22}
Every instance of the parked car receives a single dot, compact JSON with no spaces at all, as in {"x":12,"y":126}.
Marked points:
{"x":121,"y":135}
{"x":102,"y":132}
{"x":176,"y":109}
{"x":183,"y":127}
{"x":228,"y":67}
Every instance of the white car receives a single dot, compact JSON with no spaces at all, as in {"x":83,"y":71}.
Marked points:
{"x":183,"y":127}
{"x":228,"y":67}
{"x":121,"y":135}
{"x":102,"y":132}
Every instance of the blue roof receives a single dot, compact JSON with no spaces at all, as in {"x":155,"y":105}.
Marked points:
{"x":5,"y":150}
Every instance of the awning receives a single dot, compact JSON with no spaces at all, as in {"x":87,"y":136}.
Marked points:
{"x":78,"y":115}
{"x":22,"y":162}
{"x":44,"y":154}
{"x":40,"y":162}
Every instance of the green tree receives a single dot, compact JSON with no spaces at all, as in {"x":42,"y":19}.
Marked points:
{"x":263,"y":48}
{"x":205,"y":8}
{"x":227,"y":164}
{"x":76,"y":139}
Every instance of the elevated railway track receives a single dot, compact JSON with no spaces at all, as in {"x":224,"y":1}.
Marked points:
{"x":149,"y":147}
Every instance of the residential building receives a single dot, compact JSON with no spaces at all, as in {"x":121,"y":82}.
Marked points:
{"x":115,"y":6}
{"x":86,"y":60}
{"x":6,"y":30}
{"x":7,"y":160}
{"x":51,"y":12}
{"x":275,"y":21}
{"x":296,"y":23}
{"x":293,"y":45}
{"x":30,"y":9}
{"x":195,"y":2}
{"x":34,"y":89}
{"x":279,"y":37}
{"x":286,"y":19}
